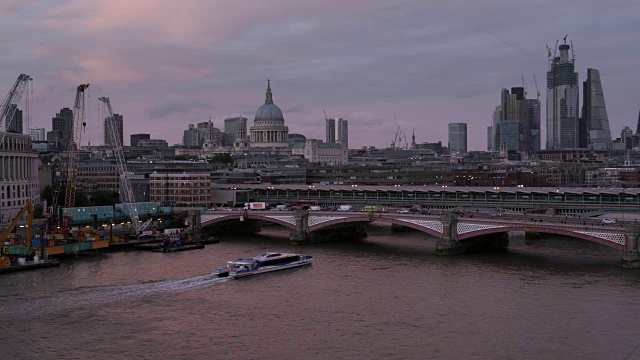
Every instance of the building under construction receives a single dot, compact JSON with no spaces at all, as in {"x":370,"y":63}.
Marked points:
{"x":563,"y":97}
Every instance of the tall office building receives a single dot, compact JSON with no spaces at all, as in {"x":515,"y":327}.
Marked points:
{"x":563,"y":97}
{"x":37,"y":134}
{"x":135,"y":138}
{"x":534,"y":135}
{"x":594,"y":113}
{"x":343,"y":133}
{"x":626,"y":135}
{"x":522,"y":115}
{"x":16,"y":125}
{"x":491,"y":138}
{"x":61,"y":129}
{"x":233,"y":129}
{"x":191,"y":136}
{"x":494,"y":130}
{"x":118,"y":120}
{"x":458,"y":138}
{"x":330,"y":125}
{"x":509,"y":135}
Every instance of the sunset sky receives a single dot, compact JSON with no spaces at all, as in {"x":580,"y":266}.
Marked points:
{"x":168,"y":63}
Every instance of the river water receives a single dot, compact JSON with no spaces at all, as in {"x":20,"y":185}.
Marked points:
{"x":386,"y":297}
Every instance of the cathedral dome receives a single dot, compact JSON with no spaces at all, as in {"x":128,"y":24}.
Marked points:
{"x":268,"y":130}
{"x":269,"y":111}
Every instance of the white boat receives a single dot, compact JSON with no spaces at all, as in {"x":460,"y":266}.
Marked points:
{"x":263,"y":263}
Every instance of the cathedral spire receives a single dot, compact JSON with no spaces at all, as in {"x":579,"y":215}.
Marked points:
{"x":269,"y":99}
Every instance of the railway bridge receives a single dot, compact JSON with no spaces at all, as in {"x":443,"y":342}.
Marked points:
{"x":455,"y":234}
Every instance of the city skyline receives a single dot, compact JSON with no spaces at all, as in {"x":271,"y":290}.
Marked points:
{"x":184,"y":64}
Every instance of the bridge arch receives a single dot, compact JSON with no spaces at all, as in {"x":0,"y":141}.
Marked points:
{"x":286,"y":221}
{"x":611,"y":239}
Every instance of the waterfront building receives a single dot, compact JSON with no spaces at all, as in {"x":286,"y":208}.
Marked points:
{"x":119,"y":122}
{"x":594,"y":112}
{"x":185,"y":189}
{"x":139,"y":186}
{"x":563,"y":123}
{"x":458,"y":138}
{"x":135,"y":138}
{"x":98,"y":175}
{"x":37,"y":134}
{"x":269,"y":130}
{"x":18,"y":175}
{"x":330,"y":129}
{"x":343,"y":133}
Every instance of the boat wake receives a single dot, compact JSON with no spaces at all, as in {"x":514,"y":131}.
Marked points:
{"x":88,"y":297}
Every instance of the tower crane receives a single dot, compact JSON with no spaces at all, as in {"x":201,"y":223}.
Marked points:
{"x":76,"y":130}
{"x":10,"y":103}
{"x":537,"y":88}
{"x":524,"y":86}
{"x":118,"y":153}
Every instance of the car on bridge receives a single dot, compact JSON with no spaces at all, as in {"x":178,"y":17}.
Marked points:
{"x":403,"y":211}
{"x":608,"y":221}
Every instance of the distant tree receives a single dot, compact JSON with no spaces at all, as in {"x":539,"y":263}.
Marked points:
{"x":180,"y":157}
{"x":221,"y":159}
{"x":46,"y":158}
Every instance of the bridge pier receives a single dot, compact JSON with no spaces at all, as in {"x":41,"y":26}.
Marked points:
{"x":448,"y":244}
{"x":631,"y":258}
{"x":301,"y":234}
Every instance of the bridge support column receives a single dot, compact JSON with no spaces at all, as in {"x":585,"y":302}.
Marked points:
{"x":449,"y":244}
{"x":195,"y":220}
{"x":301,"y":234}
{"x":631,"y":258}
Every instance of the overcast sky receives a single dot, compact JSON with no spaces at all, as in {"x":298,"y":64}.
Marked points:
{"x":168,"y":63}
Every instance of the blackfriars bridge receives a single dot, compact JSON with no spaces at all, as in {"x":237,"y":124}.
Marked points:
{"x":455,"y":234}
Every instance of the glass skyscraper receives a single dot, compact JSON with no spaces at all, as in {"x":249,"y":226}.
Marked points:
{"x":458,"y":138}
{"x":594,"y":112}
{"x":563,"y":97}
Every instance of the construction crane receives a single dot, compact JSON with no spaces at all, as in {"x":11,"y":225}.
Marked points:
{"x":118,"y":153}
{"x":10,"y":104}
{"x":396,"y":138}
{"x":524,"y":86}
{"x":5,"y":261}
{"x":76,"y":130}
{"x":537,"y":88}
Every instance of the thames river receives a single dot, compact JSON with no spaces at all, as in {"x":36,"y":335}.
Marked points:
{"x":386,"y":297}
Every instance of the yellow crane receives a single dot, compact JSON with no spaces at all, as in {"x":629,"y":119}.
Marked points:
{"x":5,"y":261}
